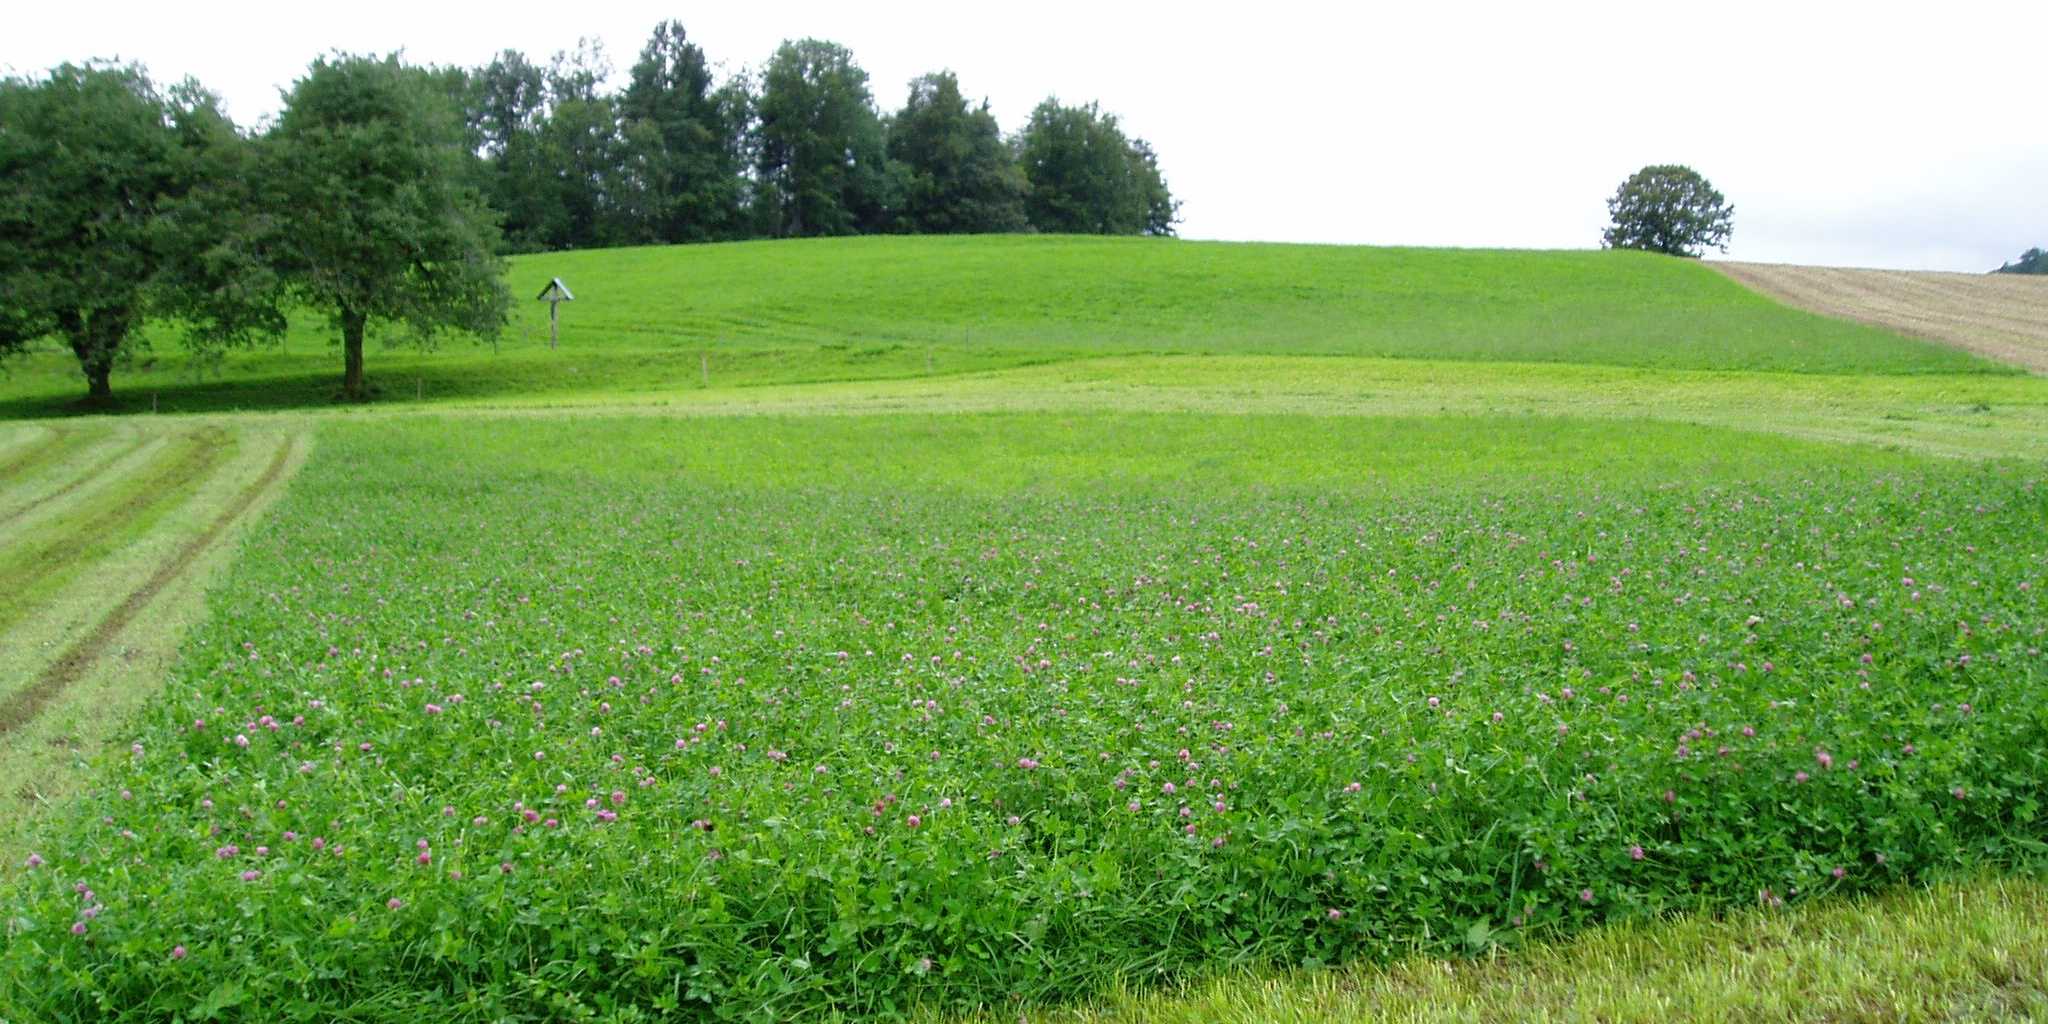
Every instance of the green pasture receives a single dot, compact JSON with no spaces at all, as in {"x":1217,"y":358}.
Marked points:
{"x":715,"y":316}
{"x":1074,"y":629}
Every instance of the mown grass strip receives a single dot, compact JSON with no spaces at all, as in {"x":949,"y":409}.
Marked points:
{"x":23,"y":705}
{"x":91,"y":474}
{"x":1948,"y":415}
{"x":37,"y":454}
{"x":29,"y":453}
{"x":46,"y":559}
{"x":1958,"y":951}
{"x":19,"y":439}
{"x":1954,"y":951}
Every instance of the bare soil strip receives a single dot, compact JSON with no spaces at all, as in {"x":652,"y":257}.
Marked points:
{"x":1998,"y":316}
{"x":23,"y":705}
{"x":91,"y":474}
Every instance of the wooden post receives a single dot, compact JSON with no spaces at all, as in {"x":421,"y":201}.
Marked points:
{"x":554,"y":295}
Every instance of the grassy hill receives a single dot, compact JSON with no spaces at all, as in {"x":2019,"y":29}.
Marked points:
{"x":679,"y":317}
{"x":1062,"y":295}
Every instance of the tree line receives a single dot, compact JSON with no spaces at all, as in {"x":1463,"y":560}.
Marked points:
{"x":2033,"y":261}
{"x":798,"y":149}
{"x":385,"y":194}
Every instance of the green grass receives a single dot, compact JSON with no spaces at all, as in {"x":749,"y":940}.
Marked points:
{"x":1968,"y":951}
{"x":1018,"y":626}
{"x":864,"y":308}
{"x":37,"y":562}
{"x":1109,"y":295}
{"x":53,"y":754}
{"x":453,"y":621}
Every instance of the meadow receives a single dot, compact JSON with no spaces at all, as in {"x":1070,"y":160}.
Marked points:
{"x":700,"y":317}
{"x":999,"y":692}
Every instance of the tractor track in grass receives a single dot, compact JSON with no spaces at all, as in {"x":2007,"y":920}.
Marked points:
{"x":23,"y":705}
{"x":22,"y":445}
{"x":90,"y":475}
{"x":46,"y":561}
{"x":34,"y":454}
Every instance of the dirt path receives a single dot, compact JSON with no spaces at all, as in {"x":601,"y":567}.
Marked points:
{"x":22,"y":706}
{"x":1998,"y":316}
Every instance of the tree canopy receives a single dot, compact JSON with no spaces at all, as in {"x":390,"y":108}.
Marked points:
{"x":685,"y":142}
{"x":957,"y":175}
{"x":820,"y":148}
{"x":507,"y":109}
{"x":1086,"y":177}
{"x":384,"y":193}
{"x":681,"y":154}
{"x":2033,"y":261}
{"x":121,"y":205}
{"x":367,"y":162}
{"x":1668,"y":208}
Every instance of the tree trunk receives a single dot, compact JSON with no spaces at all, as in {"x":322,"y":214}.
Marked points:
{"x":98,"y":391}
{"x":96,"y":337}
{"x":352,"y":323}
{"x":796,"y":202}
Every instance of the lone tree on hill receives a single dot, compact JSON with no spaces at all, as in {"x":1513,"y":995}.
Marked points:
{"x":121,"y":205}
{"x":366,"y":163}
{"x":1670,"y":209}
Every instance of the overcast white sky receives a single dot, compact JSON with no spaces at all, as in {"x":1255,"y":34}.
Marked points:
{"x":1855,"y":134}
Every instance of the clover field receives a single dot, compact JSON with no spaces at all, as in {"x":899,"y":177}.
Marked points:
{"x":505,"y":717}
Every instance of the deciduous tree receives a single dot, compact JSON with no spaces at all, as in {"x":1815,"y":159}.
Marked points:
{"x":819,"y":149}
{"x":1086,"y":177}
{"x":683,"y":142}
{"x":365,"y":163}
{"x":121,"y":205}
{"x":217,"y":277}
{"x":957,"y":174}
{"x":1670,"y":209}
{"x":1162,"y":210}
